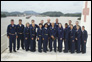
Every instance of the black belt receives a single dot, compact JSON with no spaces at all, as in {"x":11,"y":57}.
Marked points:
{"x":27,"y":33}
{"x":20,"y":33}
{"x":11,"y":34}
{"x":45,"y":34}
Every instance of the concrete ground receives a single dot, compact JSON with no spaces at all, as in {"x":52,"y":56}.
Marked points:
{"x":22,"y":55}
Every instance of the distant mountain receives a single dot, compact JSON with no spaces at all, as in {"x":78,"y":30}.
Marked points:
{"x":52,"y":13}
{"x":30,"y":12}
{"x":49,"y":13}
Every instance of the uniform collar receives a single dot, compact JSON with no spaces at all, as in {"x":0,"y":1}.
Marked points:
{"x":45,"y":28}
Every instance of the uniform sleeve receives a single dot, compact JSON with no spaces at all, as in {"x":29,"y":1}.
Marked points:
{"x":74,"y":35}
{"x":43,"y":33}
{"x":79,"y":36}
{"x":62,"y":33}
{"x":37,"y":26}
{"x":30,"y":32}
{"x":86,"y":35}
{"x":8,"y":31}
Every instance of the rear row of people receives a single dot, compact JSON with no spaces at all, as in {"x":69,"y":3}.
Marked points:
{"x":47,"y":36}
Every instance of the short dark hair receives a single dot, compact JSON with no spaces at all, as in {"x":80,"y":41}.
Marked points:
{"x":12,"y":19}
{"x":20,"y":19}
{"x":45,"y":24}
{"x":66,"y":24}
{"x":83,"y":26}
{"x":40,"y":23}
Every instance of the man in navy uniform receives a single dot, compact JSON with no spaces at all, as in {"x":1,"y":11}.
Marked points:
{"x":39,"y":37}
{"x":45,"y":35}
{"x":77,"y":24}
{"x":33,"y":37}
{"x":33,"y":21}
{"x":12,"y":35}
{"x":56,"y":25}
{"x":66,"y":37}
{"x":70,"y":22}
{"x":49,"y":25}
{"x":20,"y":29}
{"x":77,"y":38}
{"x":53,"y":32}
{"x":72,"y":39}
{"x":42,"y":22}
{"x":84,"y":40}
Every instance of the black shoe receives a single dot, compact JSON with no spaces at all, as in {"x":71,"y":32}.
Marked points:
{"x":15,"y":51}
{"x":10,"y":51}
{"x":65,"y":51}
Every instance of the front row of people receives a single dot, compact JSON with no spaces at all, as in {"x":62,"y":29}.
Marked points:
{"x":74,"y":40}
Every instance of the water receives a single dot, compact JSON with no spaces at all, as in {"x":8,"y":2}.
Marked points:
{"x":6,"y":21}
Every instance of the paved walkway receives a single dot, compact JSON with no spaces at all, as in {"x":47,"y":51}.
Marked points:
{"x":22,"y":55}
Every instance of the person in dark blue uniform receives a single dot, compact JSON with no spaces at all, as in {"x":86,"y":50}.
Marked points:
{"x":39,"y":37}
{"x":33,"y":37}
{"x":56,"y":25}
{"x":77,"y":24}
{"x":27,"y":36}
{"x":66,"y":33}
{"x":42,"y":22}
{"x":45,"y":35}
{"x":20,"y":29}
{"x":77,"y":39}
{"x":70,"y":22}
{"x":33,"y":21}
{"x":72,"y":39}
{"x":12,"y":35}
{"x":60,"y":37}
{"x":53,"y":32}
{"x":84,"y":40}
{"x":49,"y":25}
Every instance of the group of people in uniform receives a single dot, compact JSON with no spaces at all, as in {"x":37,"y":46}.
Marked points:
{"x":49,"y":36}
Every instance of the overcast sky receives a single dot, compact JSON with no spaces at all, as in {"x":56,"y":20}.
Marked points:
{"x":42,"y":6}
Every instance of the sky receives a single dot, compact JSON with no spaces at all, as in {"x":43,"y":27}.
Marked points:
{"x":42,"y":6}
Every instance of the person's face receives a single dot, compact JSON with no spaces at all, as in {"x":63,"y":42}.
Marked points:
{"x":82,"y":28}
{"x":27,"y":25}
{"x":46,"y":26}
{"x":56,"y":20}
{"x":77,"y":23}
{"x":70,"y":22}
{"x":42,"y":21}
{"x":48,"y":20}
{"x":59,"y":25}
{"x":32,"y":21}
{"x":20,"y":22}
{"x":40,"y":26}
{"x":65,"y":26}
{"x":12,"y":22}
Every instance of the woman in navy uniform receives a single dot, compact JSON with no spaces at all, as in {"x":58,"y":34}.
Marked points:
{"x":66,"y":33}
{"x":12,"y":35}
{"x":77,"y":39}
{"x":60,"y":37}
{"x":33,"y":37}
{"x":72,"y":39}
{"x":39,"y":37}
{"x":20,"y":29}
{"x":27,"y":36}
{"x":53,"y":33}
{"x":84,"y":40}
{"x":45,"y":35}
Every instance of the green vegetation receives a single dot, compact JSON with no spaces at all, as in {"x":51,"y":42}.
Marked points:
{"x":49,"y":13}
